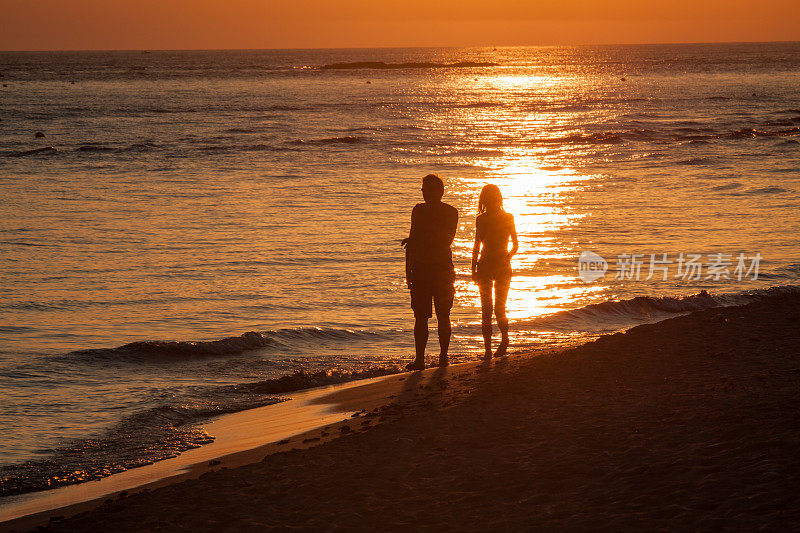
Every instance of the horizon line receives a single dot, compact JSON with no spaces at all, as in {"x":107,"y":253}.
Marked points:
{"x":391,"y":47}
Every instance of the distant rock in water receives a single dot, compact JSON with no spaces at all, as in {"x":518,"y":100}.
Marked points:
{"x":44,"y":151}
{"x":39,"y":135}
{"x":386,"y":66}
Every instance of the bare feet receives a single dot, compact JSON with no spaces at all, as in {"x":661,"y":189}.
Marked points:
{"x":443,"y":361}
{"x":416,"y":365}
{"x":502,"y":350}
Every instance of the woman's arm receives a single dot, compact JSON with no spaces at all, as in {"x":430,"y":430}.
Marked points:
{"x":514,"y":241}
{"x":476,"y":249}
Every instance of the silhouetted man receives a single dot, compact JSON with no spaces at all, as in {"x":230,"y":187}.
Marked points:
{"x":429,"y":267}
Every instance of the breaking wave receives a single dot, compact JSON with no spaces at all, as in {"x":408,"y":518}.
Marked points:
{"x":604,"y":316}
{"x":616,"y":315}
{"x":166,"y":351}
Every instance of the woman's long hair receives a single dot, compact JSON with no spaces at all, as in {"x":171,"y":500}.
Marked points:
{"x":490,"y":198}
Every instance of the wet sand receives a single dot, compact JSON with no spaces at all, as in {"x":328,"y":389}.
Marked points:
{"x":691,"y":423}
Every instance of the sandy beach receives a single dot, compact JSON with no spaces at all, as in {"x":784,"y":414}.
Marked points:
{"x":686,"y":424}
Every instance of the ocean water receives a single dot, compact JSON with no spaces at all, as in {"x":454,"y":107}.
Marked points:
{"x":203,"y":232}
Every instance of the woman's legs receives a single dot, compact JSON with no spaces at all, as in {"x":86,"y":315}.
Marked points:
{"x":486,"y":316}
{"x":500,"y":297}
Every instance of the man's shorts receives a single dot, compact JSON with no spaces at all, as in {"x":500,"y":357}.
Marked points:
{"x":432,"y":285}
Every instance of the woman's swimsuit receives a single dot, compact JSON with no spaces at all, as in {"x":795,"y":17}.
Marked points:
{"x":494,"y":231}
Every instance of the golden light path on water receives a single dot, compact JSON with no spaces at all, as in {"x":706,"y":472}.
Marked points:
{"x":538,"y":185}
{"x":536,"y":188}
{"x":538,"y":199}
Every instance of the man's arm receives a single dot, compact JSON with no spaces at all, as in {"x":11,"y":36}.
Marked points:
{"x":409,"y":247}
{"x":452,"y":225}
{"x":408,"y":270}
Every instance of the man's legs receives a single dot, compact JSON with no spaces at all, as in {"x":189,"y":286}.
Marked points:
{"x":421,"y":304}
{"x":445,"y":329}
{"x":420,"y":338}
{"x":439,"y":291}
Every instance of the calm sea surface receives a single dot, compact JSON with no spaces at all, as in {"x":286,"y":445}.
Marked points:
{"x":199,"y":196}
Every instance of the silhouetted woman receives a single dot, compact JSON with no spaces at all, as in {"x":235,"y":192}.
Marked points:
{"x":491,"y":263}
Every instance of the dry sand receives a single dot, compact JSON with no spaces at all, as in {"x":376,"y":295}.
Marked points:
{"x":691,"y":423}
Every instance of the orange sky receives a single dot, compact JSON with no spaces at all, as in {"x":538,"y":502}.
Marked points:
{"x":212,"y":24}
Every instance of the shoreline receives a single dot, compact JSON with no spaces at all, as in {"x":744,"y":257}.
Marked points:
{"x":675,"y":411}
{"x":309,"y":417}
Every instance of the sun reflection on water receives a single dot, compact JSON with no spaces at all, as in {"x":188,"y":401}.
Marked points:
{"x":537,"y":196}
